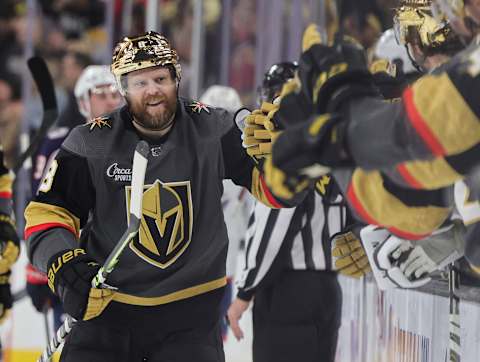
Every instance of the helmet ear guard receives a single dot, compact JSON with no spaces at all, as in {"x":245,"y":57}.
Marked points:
{"x":147,"y":50}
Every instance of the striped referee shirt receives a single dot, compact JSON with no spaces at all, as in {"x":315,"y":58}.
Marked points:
{"x":291,"y":239}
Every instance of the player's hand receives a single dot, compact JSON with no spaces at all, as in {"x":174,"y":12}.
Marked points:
{"x":234,"y":313}
{"x":349,"y":256}
{"x":70,"y":275}
{"x":9,"y":243}
{"x":6,"y":299}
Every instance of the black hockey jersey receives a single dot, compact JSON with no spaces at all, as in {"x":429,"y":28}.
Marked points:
{"x":182,"y":246}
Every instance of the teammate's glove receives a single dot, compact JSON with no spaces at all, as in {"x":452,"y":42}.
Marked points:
{"x":259,"y":131}
{"x":304,"y":153}
{"x":70,"y":275}
{"x":9,"y":243}
{"x":413,"y":260}
{"x":38,"y":290}
{"x":6,"y":300}
{"x":420,"y":258}
{"x":349,"y":255}
{"x":379,"y":245}
{"x":296,"y":160}
{"x":283,"y":185}
{"x":328,"y":75}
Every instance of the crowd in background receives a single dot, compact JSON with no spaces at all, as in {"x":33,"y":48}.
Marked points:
{"x":71,"y":34}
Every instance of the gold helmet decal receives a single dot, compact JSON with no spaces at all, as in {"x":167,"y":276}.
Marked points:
{"x":166,"y":224}
{"x":414,"y":22}
{"x":147,"y":50}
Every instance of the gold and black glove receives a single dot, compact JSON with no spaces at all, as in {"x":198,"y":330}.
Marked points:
{"x":328,"y":75}
{"x":9,"y":243}
{"x":70,"y":275}
{"x":6,"y":300}
{"x":304,"y":153}
{"x":349,"y":255}
{"x":260,"y":131}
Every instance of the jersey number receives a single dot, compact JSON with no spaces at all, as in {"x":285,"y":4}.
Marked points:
{"x":47,"y":181}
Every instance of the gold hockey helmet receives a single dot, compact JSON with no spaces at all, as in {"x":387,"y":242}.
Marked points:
{"x":415,"y":23}
{"x":144,"y":51}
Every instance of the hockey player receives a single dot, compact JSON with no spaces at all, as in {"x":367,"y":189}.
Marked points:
{"x":288,"y":267}
{"x":96,"y":94}
{"x":9,"y":241}
{"x":431,"y":253}
{"x":397,"y":132}
{"x":236,"y":202}
{"x":171,"y":278}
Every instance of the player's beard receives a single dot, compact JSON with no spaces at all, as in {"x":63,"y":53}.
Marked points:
{"x":153,"y":118}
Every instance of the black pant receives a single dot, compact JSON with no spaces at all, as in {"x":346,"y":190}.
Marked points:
{"x":297,"y":318}
{"x":182,"y":331}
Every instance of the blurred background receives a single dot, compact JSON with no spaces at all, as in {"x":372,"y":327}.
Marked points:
{"x":227,"y":42}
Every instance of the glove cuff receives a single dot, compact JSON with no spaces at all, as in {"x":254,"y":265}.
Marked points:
{"x":58,"y":262}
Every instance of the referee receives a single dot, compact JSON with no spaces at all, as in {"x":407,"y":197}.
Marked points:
{"x":288,"y":273}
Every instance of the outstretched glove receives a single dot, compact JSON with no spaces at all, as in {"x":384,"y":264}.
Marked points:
{"x":328,"y":75}
{"x":9,"y":243}
{"x":6,"y":300}
{"x":259,"y":131}
{"x":379,"y":245}
{"x":349,"y":255}
{"x":70,"y":275}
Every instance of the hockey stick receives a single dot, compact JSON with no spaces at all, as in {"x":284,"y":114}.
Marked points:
{"x":454,"y":350}
{"x":139,"y":168}
{"x":43,"y":80}
{"x":45,"y":321}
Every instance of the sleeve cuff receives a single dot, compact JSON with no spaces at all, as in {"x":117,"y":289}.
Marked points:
{"x":245,"y":295}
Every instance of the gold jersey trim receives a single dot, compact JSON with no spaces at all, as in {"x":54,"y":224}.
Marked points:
{"x":172,"y":297}
{"x":390,"y":212}
{"x":432,"y":174}
{"x":38,"y":213}
{"x":448,"y":116}
{"x":5,"y":183}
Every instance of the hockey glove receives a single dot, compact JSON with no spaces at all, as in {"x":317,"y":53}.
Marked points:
{"x":260,"y":131}
{"x":349,"y":255}
{"x":283,"y":185}
{"x":9,"y":243}
{"x":311,"y":149}
{"x":417,"y":259}
{"x":328,"y":75}
{"x":379,"y":245}
{"x":70,"y":275}
{"x":6,"y":300}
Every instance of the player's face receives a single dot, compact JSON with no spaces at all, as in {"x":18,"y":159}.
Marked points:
{"x":152,"y":96}
{"x":104,"y":99}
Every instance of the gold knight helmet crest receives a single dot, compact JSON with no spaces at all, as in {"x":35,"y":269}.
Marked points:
{"x":166,"y":224}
